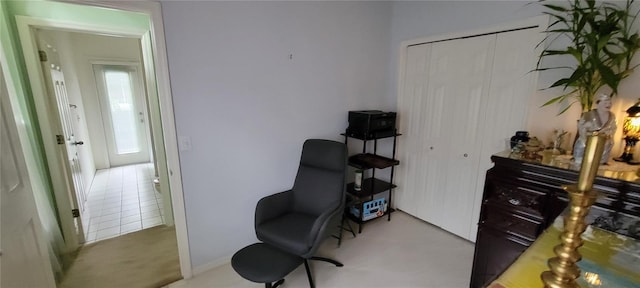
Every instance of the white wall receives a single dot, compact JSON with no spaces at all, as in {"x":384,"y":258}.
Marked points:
{"x":89,"y":48}
{"x":413,"y":20}
{"x":247,"y":105}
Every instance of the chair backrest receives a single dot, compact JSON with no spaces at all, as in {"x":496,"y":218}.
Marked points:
{"x":320,"y":182}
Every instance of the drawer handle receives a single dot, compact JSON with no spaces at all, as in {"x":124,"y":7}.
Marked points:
{"x":516,"y":202}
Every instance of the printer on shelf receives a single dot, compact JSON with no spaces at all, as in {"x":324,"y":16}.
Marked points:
{"x":371,"y":124}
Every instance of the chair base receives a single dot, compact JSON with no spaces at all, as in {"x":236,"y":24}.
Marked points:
{"x":306,"y":266}
{"x":274,"y":285}
{"x":334,"y":262}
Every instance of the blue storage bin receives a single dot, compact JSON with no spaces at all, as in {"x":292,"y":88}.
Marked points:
{"x":371,"y":209}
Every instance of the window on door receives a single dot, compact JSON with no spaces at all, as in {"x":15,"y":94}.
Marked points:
{"x":122,"y":99}
{"x":121,"y":107}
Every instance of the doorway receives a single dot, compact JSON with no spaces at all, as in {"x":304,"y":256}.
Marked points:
{"x":110,"y":117}
{"x":155,"y":78}
{"x":110,"y":120}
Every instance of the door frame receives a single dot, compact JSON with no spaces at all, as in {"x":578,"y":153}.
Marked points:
{"x":156,"y":74}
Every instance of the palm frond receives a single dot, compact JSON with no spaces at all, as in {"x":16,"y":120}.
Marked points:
{"x":602,"y":44}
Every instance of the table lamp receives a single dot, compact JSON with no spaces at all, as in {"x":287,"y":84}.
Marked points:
{"x":631,"y":131}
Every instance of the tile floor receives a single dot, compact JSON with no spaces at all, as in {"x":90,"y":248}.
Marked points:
{"x":122,"y":200}
{"x":405,"y":252}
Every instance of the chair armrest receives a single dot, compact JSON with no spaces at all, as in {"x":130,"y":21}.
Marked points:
{"x":320,"y":225}
{"x":272,"y":206}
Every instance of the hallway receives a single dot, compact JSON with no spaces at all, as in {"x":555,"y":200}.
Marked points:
{"x":122,"y":200}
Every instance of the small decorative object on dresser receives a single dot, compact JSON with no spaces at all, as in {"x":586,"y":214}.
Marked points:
{"x":600,"y":119}
{"x":532,"y":149}
{"x":559,"y":140}
{"x":521,"y":136}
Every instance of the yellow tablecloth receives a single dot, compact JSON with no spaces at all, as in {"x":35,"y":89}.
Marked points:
{"x":608,"y":260}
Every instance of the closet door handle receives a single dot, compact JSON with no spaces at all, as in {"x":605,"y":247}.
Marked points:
{"x":465,"y":155}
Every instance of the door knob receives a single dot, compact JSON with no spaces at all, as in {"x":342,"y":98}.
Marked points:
{"x":78,"y":143}
{"x":465,"y":155}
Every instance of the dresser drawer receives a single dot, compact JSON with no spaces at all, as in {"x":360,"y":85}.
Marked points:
{"x":495,"y":251}
{"x":632,"y":208}
{"x":529,"y":200}
{"x":511,"y":223}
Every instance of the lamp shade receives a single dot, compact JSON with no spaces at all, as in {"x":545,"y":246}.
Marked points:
{"x":631,"y":126}
{"x":634,"y":111}
{"x":631,"y":130}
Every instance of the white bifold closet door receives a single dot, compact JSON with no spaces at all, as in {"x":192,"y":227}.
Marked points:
{"x":461,"y":98}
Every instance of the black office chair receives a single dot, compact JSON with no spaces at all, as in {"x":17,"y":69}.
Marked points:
{"x":296,"y":221}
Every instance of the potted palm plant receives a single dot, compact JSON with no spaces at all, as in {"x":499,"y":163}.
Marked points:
{"x":602,"y":43}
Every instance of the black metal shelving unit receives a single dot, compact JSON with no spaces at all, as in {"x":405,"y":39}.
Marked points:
{"x":370,"y":186}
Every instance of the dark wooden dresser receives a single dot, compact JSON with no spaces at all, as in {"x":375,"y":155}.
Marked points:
{"x":523,"y":198}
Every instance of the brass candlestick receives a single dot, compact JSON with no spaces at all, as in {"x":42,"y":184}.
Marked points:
{"x":564,"y":270}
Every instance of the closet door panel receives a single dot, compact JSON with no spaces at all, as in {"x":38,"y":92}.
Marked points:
{"x":436,"y":130}
{"x":510,"y":93}
{"x":411,"y":151}
{"x":429,"y":198}
{"x":421,"y":108}
{"x":469,"y":81}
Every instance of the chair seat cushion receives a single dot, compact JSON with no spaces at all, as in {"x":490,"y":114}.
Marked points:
{"x":288,"y":232}
{"x":262,"y":263}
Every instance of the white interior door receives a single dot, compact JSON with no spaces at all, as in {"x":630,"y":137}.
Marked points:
{"x":70,"y":142}
{"x":512,"y":87}
{"x":24,"y":259}
{"x":410,"y":122}
{"x":123,"y":113}
{"x":431,"y":132}
{"x":469,"y":79}
{"x":67,"y":142}
{"x":66,"y":149}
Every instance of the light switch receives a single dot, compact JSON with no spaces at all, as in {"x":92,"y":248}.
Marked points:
{"x":184,"y":143}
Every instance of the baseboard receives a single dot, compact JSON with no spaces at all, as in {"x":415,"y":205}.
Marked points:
{"x":211,"y":265}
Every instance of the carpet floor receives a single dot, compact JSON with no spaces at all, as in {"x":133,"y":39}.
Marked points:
{"x":147,"y":258}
